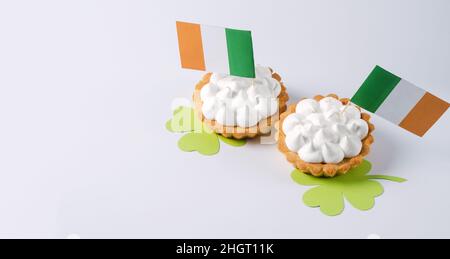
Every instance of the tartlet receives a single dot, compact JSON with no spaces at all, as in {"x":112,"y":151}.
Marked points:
{"x":325,"y":169}
{"x":264,"y":126}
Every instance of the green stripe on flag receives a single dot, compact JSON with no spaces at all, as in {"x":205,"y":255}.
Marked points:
{"x":374,"y":91}
{"x":240,"y":53}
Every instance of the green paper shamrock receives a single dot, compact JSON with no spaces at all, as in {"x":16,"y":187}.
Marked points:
{"x":197,"y":137}
{"x":356,"y":186}
{"x":204,"y":143}
{"x":184,"y":120}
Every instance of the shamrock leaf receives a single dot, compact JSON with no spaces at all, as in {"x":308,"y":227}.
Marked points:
{"x":197,"y":136}
{"x":205,"y":143}
{"x":329,"y":200}
{"x":359,"y":188}
{"x":184,"y":120}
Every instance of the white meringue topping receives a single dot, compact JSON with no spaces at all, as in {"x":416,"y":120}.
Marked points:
{"x":325,"y":131}
{"x":243,"y":102}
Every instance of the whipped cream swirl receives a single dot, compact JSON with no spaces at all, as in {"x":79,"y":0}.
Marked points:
{"x":243,"y":102}
{"x":325,"y":131}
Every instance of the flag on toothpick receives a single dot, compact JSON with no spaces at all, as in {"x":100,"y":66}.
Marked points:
{"x":400,"y":102}
{"x":216,"y":49}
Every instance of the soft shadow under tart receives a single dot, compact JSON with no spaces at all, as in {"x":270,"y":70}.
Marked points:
{"x":263,"y":127}
{"x":324,"y":170}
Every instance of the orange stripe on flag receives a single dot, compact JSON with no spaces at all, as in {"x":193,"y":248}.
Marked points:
{"x":425,"y":114}
{"x":191,"y":46}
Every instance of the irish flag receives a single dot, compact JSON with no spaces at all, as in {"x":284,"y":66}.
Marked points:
{"x":216,"y":49}
{"x":400,"y":102}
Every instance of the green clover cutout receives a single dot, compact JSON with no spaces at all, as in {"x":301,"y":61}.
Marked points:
{"x":197,"y":136}
{"x":184,"y":120}
{"x":204,"y":143}
{"x":359,"y":188}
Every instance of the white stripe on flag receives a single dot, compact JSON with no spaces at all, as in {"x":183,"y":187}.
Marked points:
{"x":400,"y":102}
{"x":215,"y":49}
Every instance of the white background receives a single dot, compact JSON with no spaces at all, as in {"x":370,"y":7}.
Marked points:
{"x":86,"y":88}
